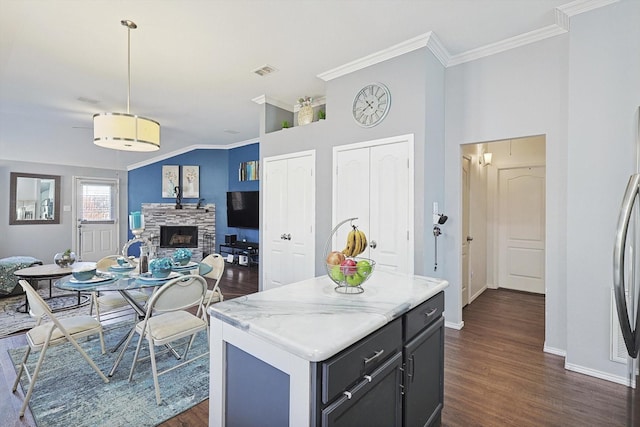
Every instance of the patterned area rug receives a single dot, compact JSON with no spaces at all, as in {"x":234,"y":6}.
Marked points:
{"x":12,"y":321}
{"x":69,"y":393}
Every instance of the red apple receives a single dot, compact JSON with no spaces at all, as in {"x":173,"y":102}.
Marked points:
{"x":335,"y":258}
{"x":348,"y":267}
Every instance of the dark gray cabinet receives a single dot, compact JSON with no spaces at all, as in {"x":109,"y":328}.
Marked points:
{"x":393,"y":377}
{"x":424,"y":377}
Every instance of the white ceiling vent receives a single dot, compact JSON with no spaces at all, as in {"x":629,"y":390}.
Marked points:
{"x":265,"y":70}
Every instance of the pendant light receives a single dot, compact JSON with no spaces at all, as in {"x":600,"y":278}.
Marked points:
{"x":125,"y":131}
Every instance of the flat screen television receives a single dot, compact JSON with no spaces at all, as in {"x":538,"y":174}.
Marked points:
{"x":243,"y":209}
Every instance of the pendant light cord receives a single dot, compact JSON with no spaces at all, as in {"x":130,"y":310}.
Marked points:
{"x":130,"y":26}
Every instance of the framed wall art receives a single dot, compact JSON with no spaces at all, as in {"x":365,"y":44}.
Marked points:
{"x":190,"y":182}
{"x":170,"y":180}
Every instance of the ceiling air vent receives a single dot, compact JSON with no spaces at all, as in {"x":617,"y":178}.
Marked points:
{"x":265,"y":70}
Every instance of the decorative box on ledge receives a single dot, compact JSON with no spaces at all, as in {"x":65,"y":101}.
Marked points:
{"x":184,"y":228}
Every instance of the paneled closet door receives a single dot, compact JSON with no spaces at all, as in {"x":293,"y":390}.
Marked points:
{"x":374,"y":183}
{"x":389,"y":206}
{"x":351,"y":196}
{"x":288,"y":248}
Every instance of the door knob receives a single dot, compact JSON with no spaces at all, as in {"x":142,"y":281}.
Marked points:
{"x":373,"y":244}
{"x":469,"y":238}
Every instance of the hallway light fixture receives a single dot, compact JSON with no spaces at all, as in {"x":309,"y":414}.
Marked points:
{"x":125,"y":131}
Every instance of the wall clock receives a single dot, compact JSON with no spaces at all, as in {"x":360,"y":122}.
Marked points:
{"x":371,"y":104}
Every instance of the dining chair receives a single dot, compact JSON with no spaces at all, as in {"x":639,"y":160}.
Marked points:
{"x":212,"y":267}
{"x":110,"y":301}
{"x":168,"y":320}
{"x":54,"y":332}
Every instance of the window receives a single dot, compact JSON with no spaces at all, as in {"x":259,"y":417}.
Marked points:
{"x":97,"y":202}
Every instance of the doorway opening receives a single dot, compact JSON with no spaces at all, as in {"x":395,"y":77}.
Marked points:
{"x":503,"y":216}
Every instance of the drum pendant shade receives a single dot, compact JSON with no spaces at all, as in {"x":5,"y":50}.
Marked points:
{"x":124,"y":131}
{"x":128,"y":132}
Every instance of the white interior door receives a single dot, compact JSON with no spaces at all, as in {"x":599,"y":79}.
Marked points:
{"x":274,"y":223}
{"x":351,"y":194}
{"x":96,"y":218}
{"x":466,"y":238}
{"x":389,"y":207}
{"x":288,"y":220}
{"x":373,"y":181}
{"x":521,"y":253}
{"x":301,"y":218}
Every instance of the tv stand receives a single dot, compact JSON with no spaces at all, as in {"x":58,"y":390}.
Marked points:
{"x":249,"y":249}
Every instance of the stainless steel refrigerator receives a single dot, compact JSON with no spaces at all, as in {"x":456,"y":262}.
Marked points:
{"x":626,"y":268}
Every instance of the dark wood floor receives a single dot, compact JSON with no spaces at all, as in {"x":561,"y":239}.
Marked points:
{"x":496,"y":373}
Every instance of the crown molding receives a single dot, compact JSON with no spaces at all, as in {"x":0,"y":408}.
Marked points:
{"x":377,"y":57}
{"x":580,"y":6}
{"x":430,"y":40}
{"x":437,"y":48}
{"x":190,"y":148}
{"x":507,"y":44}
{"x":264,"y":99}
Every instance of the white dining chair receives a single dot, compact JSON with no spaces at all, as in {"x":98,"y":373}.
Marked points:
{"x":109,"y":301}
{"x":54,"y":332}
{"x":168,"y":320}
{"x":212,"y":267}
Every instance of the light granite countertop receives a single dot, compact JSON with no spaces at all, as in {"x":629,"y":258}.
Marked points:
{"x":313,"y":321}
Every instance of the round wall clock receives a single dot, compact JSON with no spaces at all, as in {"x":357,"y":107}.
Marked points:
{"x":371,"y":104}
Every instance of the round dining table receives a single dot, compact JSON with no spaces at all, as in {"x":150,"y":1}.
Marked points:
{"x":122,"y":282}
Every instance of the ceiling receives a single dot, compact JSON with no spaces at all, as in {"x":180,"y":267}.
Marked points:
{"x":192,"y":62}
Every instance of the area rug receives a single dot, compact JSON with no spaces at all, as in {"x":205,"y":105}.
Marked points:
{"x":69,"y":393}
{"x":12,"y":321}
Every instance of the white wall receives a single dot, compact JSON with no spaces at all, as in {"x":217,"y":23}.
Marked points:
{"x":43,"y":241}
{"x":581,"y":91}
{"x":604,"y":96}
{"x":517,"y":93}
{"x":416,"y":82}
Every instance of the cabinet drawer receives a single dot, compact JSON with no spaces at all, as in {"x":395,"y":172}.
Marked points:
{"x":349,"y":366}
{"x":423,"y":315}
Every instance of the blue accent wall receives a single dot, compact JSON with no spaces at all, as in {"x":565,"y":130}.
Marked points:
{"x":238,"y":155}
{"x":218,"y":174}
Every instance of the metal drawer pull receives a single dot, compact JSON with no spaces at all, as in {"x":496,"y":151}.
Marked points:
{"x":347,"y":393}
{"x":372,"y":358}
{"x":368,"y":378}
{"x":431,"y":312}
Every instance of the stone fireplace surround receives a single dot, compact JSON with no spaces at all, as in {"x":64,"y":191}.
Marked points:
{"x":157,"y":214}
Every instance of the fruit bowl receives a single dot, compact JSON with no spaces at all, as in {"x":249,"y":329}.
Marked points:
{"x":351,"y":274}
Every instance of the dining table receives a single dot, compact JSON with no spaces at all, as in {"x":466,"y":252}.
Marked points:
{"x":123,"y":280}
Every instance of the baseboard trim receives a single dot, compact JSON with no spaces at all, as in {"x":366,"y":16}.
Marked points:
{"x":452,"y":325}
{"x":597,"y":374}
{"x":556,"y":351}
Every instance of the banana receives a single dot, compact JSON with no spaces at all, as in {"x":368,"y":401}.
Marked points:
{"x":353,"y":236}
{"x":358,"y":246}
{"x":351,"y":241}
{"x":356,"y":243}
{"x":363,"y":239}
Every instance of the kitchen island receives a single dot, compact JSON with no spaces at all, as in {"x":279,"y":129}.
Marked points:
{"x":304,"y":354}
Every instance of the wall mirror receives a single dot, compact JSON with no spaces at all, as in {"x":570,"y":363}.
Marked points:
{"x":34,"y":199}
